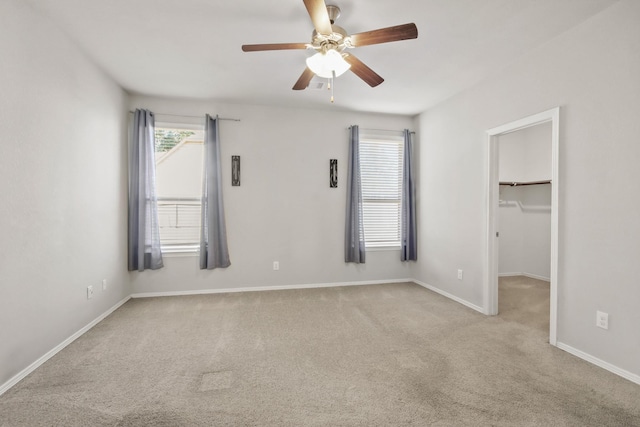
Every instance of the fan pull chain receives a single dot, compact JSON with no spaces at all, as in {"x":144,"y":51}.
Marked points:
{"x":333,"y":72}
{"x":332,"y":90}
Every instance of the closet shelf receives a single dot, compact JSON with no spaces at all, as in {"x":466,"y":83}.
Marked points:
{"x":518,"y":183}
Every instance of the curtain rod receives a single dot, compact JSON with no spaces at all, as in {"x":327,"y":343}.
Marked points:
{"x":382,"y":130}
{"x":184,"y":115}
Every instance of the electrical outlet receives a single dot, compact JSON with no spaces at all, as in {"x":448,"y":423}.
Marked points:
{"x":460,"y":274}
{"x":276,"y":265}
{"x":602,"y":320}
{"x":89,"y":292}
{"x":104,"y":284}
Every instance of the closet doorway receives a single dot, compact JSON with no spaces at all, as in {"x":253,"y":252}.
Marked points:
{"x":522,"y":204}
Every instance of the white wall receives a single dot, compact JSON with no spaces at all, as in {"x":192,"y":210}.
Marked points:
{"x":592,"y":72}
{"x":62,"y":189}
{"x":284,"y":210}
{"x":525,"y":155}
{"x":525,"y":231}
{"x":511,"y":226}
{"x":536,"y":212}
{"x":525,"y":211}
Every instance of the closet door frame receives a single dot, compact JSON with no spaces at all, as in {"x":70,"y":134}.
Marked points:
{"x":490,"y":291}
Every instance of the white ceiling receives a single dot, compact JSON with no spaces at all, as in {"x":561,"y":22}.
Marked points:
{"x":191,"y":48}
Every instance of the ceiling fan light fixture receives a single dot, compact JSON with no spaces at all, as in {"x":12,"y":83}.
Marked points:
{"x":330,"y":41}
{"x":325,"y":64}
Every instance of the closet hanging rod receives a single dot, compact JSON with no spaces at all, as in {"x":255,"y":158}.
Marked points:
{"x":184,"y":115}
{"x":519,"y":183}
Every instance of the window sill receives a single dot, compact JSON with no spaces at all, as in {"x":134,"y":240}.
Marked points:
{"x":381,"y":248}
{"x":180,"y":254}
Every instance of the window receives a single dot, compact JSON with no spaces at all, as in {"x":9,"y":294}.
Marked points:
{"x":381,"y":178}
{"x":179,"y":160}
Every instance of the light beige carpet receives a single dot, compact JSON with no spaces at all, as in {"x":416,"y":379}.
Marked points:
{"x":525,"y":301}
{"x":382,"y":355}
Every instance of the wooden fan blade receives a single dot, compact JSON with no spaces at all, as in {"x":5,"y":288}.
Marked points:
{"x":304,"y":80}
{"x":272,"y":46}
{"x":385,"y":35}
{"x":319,"y":16}
{"x":361,"y":70}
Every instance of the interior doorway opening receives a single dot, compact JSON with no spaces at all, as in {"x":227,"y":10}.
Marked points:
{"x":536,"y":268}
{"x":524,"y":221}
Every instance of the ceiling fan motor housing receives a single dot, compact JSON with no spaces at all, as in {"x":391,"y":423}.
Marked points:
{"x":338,"y":39}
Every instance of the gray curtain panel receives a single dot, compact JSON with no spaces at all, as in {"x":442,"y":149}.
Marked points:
{"x":144,"y":234}
{"x":354,"y":247}
{"x":409,"y":237}
{"x":214,"y":252}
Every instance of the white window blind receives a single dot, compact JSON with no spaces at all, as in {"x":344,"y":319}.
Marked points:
{"x":179,"y":220}
{"x":381,"y":178}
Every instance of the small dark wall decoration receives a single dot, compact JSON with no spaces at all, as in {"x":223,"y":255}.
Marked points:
{"x":333,"y":173}
{"x":235,"y":171}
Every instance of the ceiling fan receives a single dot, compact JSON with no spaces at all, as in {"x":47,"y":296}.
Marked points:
{"x":331,"y":42}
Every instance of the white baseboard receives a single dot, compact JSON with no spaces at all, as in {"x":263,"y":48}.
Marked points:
{"x":530,"y":275}
{"x":509,"y":274}
{"x":601,"y":363}
{"x":266,"y":288}
{"x":535,"y":276}
{"x":26,"y":371}
{"x":450,"y":296}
